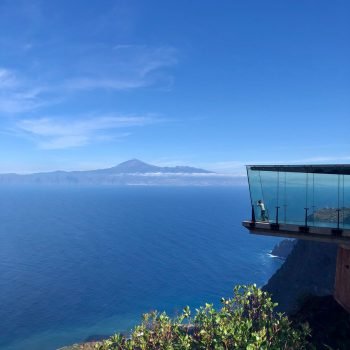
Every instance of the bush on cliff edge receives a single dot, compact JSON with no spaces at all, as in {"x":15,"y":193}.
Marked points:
{"x":246,"y":321}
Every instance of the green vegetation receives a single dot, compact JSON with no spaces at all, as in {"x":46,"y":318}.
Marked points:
{"x":246,"y":321}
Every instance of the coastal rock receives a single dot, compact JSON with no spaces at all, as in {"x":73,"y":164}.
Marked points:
{"x":83,"y":346}
{"x":283,"y":248}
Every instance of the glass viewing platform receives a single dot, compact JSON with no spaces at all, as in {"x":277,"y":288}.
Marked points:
{"x":300,"y":201}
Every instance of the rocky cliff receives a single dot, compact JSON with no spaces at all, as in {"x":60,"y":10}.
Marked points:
{"x":283,"y":248}
{"x":308,"y":270}
{"x":329,"y":322}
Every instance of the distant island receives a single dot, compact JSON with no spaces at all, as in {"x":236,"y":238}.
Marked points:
{"x":330,"y":215}
{"x":130,"y":173}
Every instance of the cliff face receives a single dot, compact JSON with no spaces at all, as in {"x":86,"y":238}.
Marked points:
{"x":329,"y":322}
{"x":308,"y":270}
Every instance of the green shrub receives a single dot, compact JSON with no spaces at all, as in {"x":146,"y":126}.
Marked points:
{"x":246,"y":321}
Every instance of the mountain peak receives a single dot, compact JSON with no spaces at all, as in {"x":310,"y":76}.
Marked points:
{"x":132,"y":162}
{"x":135,"y":166}
{"x":138,"y":166}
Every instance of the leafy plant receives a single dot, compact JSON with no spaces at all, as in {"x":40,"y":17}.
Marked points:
{"x":245,"y":321}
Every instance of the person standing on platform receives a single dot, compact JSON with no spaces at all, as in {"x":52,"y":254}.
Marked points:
{"x":262,"y":210}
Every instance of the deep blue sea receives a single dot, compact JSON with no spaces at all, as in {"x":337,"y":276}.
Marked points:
{"x":78,"y":262}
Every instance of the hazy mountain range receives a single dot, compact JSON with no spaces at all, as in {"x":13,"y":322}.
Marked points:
{"x":131,"y":172}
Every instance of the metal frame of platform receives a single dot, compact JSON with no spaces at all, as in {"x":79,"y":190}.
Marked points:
{"x":313,"y":233}
{"x":330,"y":169}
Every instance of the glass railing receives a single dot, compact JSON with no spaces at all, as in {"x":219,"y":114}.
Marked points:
{"x":303,"y":196}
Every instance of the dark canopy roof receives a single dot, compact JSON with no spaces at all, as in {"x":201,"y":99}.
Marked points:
{"x":340,"y":169}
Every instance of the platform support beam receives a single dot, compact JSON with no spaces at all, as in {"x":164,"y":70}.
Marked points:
{"x":342,"y":277}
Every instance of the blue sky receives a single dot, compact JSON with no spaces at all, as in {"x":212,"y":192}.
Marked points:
{"x":215,"y":84}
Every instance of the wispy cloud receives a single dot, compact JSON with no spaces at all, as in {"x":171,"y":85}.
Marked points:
{"x":16,"y":94}
{"x":55,"y":133}
{"x":119,"y":68}
{"x":123,"y":67}
{"x":7,"y":79}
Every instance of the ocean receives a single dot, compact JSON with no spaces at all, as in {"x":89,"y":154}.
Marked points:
{"x":83,"y":262}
